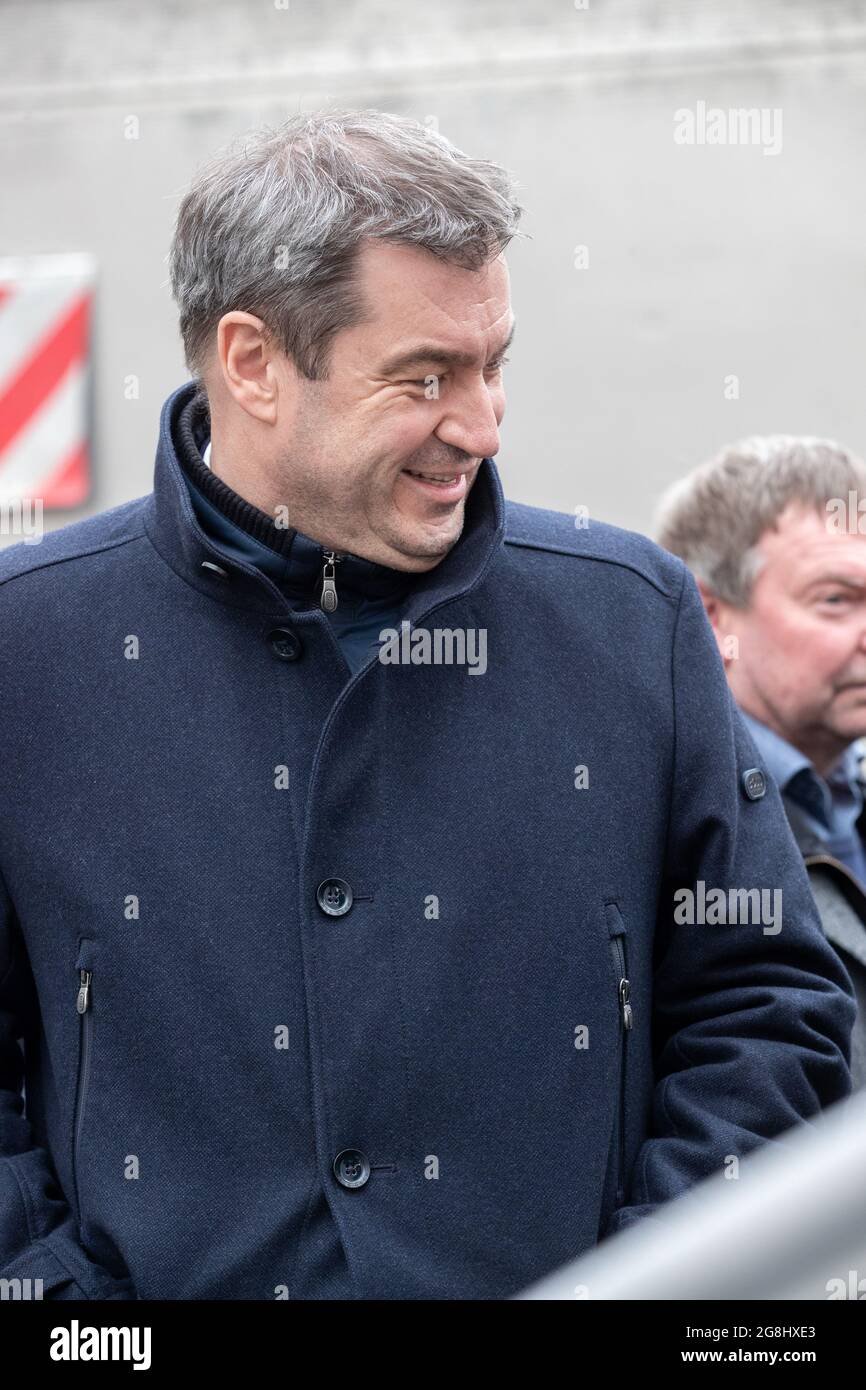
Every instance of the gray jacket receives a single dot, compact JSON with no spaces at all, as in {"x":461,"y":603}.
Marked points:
{"x":841,"y":902}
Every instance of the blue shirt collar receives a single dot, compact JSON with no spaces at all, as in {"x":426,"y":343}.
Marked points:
{"x":784,"y":762}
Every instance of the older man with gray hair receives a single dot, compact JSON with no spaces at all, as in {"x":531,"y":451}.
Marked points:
{"x":774,"y":531}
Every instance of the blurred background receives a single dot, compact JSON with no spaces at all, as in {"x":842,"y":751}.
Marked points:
{"x":669,"y":296}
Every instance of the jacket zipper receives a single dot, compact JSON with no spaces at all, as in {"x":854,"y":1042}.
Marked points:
{"x":83,"y":1007}
{"x":328,"y":596}
{"x":627,"y":1021}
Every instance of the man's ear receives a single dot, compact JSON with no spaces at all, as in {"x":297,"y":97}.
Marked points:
{"x":246,"y":357}
{"x":717,"y":612}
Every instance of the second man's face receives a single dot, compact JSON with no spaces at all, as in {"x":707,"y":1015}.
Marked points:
{"x":801,"y":642}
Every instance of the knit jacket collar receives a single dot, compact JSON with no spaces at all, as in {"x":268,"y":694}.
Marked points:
{"x":206,"y":564}
{"x":292,"y":559}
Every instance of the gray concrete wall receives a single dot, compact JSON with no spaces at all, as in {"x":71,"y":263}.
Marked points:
{"x":703,"y":261}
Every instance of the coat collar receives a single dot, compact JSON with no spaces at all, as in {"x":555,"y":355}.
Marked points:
{"x":294,"y":561}
{"x":206,"y":565}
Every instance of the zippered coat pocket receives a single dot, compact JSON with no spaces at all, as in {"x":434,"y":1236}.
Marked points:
{"x":84,"y":971}
{"x":618,"y":939}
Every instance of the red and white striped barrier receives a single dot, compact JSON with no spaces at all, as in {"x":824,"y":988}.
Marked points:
{"x":45,"y":312}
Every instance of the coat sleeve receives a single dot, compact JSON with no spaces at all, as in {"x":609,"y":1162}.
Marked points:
{"x":751,"y":1028}
{"x":38,"y":1237}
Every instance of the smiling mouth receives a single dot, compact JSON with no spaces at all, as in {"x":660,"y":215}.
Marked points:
{"x":446,"y":479}
{"x":445,"y":488}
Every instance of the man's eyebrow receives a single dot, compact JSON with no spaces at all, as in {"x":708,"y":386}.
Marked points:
{"x":441,"y":357}
{"x":849,"y":581}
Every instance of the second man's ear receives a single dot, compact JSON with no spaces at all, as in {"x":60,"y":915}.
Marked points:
{"x":717,"y":612}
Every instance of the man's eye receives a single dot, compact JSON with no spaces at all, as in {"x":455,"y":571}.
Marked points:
{"x":439,"y":378}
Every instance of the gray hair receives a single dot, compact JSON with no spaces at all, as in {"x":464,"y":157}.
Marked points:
{"x":714,"y":517}
{"x":272,"y":225}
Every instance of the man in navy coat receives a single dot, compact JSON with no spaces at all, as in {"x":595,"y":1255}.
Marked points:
{"x":392,"y":902}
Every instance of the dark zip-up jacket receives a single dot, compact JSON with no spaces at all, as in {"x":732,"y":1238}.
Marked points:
{"x":371,"y":985}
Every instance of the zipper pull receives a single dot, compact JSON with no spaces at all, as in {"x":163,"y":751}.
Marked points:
{"x":84,"y":991}
{"x":328,"y":599}
{"x":624,"y":997}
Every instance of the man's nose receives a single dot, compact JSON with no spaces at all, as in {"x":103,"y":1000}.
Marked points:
{"x":470,"y":420}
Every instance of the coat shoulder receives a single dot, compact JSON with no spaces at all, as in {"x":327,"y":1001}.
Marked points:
{"x":581,"y":540}
{"x":77,"y":541}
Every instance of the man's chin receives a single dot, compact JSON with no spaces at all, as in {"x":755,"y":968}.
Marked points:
{"x":423,"y":539}
{"x":849,"y":704}
{"x":850,"y":723}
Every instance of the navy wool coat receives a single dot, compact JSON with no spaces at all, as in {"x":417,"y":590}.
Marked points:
{"x":311,"y":984}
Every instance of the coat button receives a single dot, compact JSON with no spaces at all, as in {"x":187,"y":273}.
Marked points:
{"x":285,"y":644}
{"x":334,"y":896}
{"x":754,"y":783}
{"x":351,"y":1168}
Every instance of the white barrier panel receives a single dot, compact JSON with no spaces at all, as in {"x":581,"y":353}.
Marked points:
{"x":46,"y":305}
